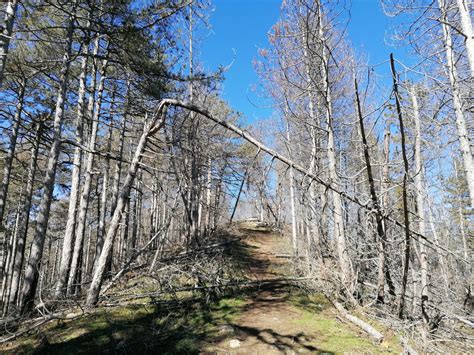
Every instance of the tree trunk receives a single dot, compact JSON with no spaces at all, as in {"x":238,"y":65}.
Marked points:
{"x":84,"y":201}
{"x":375,"y":202}
{"x":294,"y":232}
{"x":25,"y":218}
{"x":6,"y":35}
{"x":98,"y":275}
{"x":36,"y":253}
{"x":461,"y":124}
{"x":7,"y":168}
{"x":420,"y":205}
{"x":466,"y":25}
{"x":406,"y":213}
{"x":75,"y":182}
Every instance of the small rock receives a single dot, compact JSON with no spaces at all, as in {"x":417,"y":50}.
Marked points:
{"x":234,"y":343}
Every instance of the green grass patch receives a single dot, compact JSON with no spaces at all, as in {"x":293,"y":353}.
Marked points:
{"x":311,"y":302}
{"x":335,"y":336}
{"x":144,"y":329}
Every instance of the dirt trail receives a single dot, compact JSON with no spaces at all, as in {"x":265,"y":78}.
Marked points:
{"x":270,"y":323}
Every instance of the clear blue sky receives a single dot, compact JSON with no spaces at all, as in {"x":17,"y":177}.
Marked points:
{"x":240,"y":27}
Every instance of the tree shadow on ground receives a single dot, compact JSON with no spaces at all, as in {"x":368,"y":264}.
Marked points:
{"x":176,"y":328}
{"x":172,"y":326}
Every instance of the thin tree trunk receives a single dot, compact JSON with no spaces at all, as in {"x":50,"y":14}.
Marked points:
{"x":294,"y":232}
{"x":75,"y":182}
{"x":375,"y":202}
{"x":420,"y":205}
{"x":7,"y":168}
{"x":385,"y":205}
{"x":461,"y":124}
{"x":6,"y":35}
{"x":25,"y":218}
{"x":406,"y":213}
{"x":466,"y":25}
{"x":84,"y":201}
{"x":32,"y":270}
{"x":103,"y":202}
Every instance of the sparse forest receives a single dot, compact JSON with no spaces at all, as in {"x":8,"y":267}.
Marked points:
{"x":130,"y":186}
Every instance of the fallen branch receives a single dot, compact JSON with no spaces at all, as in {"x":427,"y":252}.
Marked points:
{"x":246,"y":283}
{"x":374,"y":333}
{"x":41,"y":322}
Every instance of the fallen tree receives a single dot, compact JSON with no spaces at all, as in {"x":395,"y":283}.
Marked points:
{"x":153,"y":126}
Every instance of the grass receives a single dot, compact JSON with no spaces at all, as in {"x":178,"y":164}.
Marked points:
{"x":339,"y":337}
{"x":132,"y":328}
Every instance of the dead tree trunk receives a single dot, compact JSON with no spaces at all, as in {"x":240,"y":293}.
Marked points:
{"x":294,"y":232}
{"x":75,"y":181}
{"x":461,"y":123}
{"x":406,"y":213}
{"x":36,"y":253}
{"x":6,"y":34}
{"x":25,"y":218}
{"x":98,"y":274}
{"x":7,"y":168}
{"x":375,"y":202}
{"x":84,"y":201}
{"x":420,"y":205}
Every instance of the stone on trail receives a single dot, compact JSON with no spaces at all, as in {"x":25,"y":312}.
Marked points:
{"x":234,"y":343}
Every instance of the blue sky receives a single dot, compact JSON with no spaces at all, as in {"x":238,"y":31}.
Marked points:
{"x":239,"y":28}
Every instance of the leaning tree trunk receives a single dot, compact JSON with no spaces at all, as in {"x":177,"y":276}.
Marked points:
{"x":294,"y":233}
{"x":84,"y":201}
{"x":36,"y":253}
{"x":461,"y":123}
{"x":466,"y":25}
{"x":25,"y":218}
{"x":7,"y":168}
{"x":98,"y":274}
{"x":406,"y":213}
{"x":375,"y":203}
{"x":75,"y":181}
{"x":6,"y":35}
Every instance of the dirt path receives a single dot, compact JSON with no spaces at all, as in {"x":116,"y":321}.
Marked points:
{"x":271,"y":321}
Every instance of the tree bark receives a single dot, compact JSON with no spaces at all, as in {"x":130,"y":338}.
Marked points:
{"x":466,"y":25}
{"x":294,"y":232}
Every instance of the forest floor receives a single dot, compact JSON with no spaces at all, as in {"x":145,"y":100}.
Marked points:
{"x":272,"y":318}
